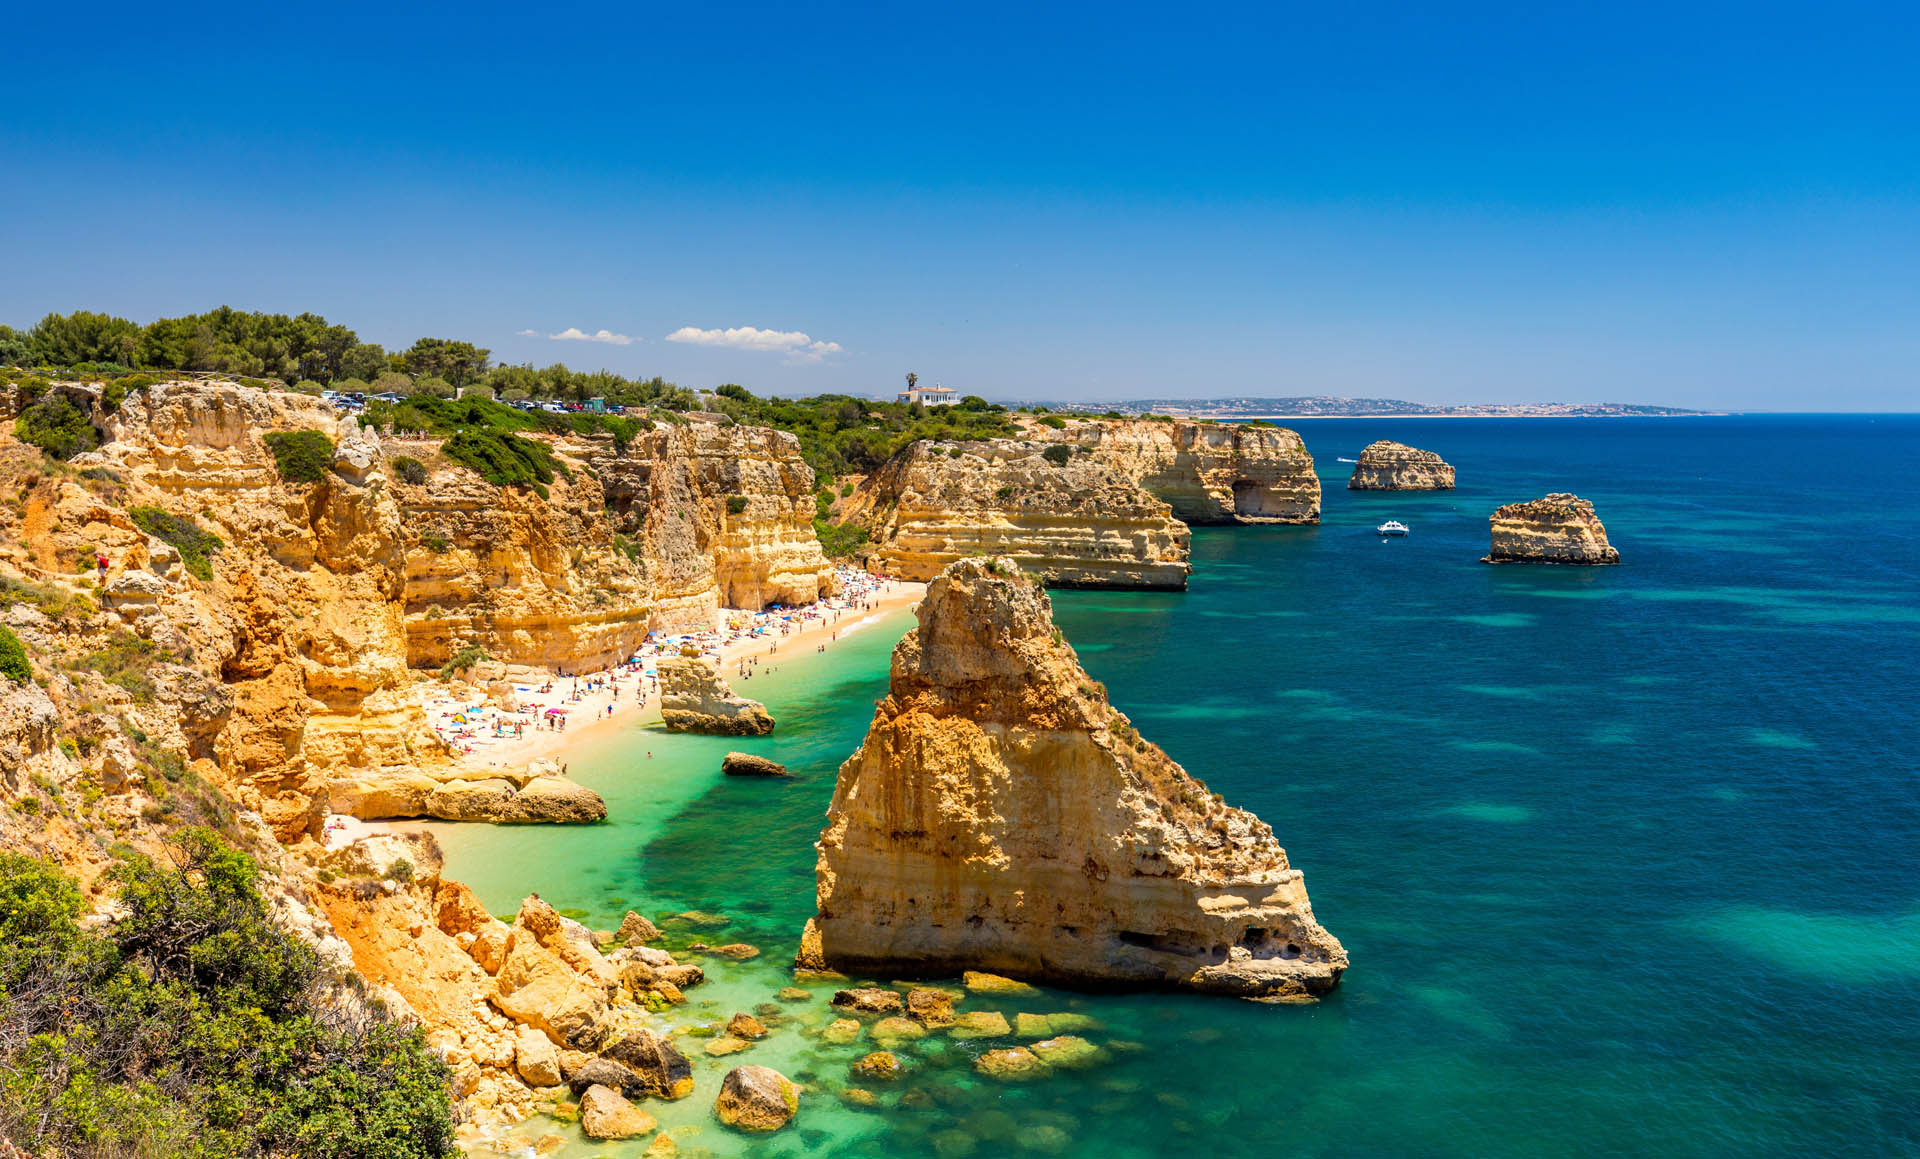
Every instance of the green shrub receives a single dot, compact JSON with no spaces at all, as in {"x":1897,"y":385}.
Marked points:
{"x":301,"y":456}
{"x":1058,"y":454}
{"x":127,"y":662}
{"x":839,"y":540}
{"x":409,"y":469}
{"x":57,"y":427}
{"x":505,"y":460}
{"x":195,"y":1025}
{"x":460,"y":661}
{"x":13,"y":658}
{"x":183,"y":534}
{"x":401,"y":871}
{"x":307,"y":386}
{"x":437,"y":544}
{"x":736,"y":504}
{"x":1054,"y":421}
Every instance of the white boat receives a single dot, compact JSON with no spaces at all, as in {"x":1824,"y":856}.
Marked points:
{"x":1346,"y":460}
{"x":1392,"y":527}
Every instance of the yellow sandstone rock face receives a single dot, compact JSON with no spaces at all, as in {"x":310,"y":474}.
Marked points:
{"x":1207,"y":472}
{"x":728,"y":521}
{"x":1391,"y":466}
{"x":302,"y":619}
{"x":1558,"y":528}
{"x":531,"y":580}
{"x":1071,"y":520}
{"x":1002,"y":816}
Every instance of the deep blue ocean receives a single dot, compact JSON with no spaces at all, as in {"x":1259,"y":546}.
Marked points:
{"x":1627,"y":859}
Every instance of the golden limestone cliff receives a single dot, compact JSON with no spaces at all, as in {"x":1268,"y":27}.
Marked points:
{"x":1558,"y":528}
{"x":1002,"y":816}
{"x":1389,"y":466}
{"x":292,"y":650}
{"x":1057,"y":511}
{"x":531,"y":580}
{"x":728,"y":521}
{"x":1207,"y":472}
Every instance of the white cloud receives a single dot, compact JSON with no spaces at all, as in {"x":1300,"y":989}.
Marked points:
{"x":528,"y":333}
{"x":575,"y":334}
{"x":797,"y":345}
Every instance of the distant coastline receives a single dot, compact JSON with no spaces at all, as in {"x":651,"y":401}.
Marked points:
{"x":1327,"y":407}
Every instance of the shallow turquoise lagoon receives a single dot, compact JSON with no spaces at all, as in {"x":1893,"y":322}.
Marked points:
{"x":1624,"y":858}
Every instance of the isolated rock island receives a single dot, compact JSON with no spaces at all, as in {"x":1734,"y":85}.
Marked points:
{"x":1390,"y":466}
{"x":1001,"y":815}
{"x":1558,"y":528}
{"x":694,"y":697}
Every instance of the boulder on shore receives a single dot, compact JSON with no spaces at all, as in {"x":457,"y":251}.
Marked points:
{"x":756,"y":1098}
{"x":1558,"y":528}
{"x":606,"y":1114}
{"x":694,"y":697}
{"x":748,"y":765}
{"x":996,"y":773}
{"x":1390,"y":466}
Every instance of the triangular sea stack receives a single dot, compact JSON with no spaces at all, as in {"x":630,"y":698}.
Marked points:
{"x":1002,"y":816}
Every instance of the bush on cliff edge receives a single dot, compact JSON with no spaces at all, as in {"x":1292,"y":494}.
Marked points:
{"x":195,"y":1026}
{"x":57,"y":427}
{"x":182,"y":534}
{"x":301,"y":456}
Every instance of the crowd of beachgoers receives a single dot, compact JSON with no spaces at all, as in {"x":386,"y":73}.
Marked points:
{"x":487,"y":728}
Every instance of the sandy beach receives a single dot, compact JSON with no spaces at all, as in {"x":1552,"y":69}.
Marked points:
{"x":483,"y":736}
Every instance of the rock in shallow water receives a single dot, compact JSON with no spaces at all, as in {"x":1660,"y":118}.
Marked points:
{"x":605,"y":1114}
{"x":748,"y":765}
{"x":756,"y":1098}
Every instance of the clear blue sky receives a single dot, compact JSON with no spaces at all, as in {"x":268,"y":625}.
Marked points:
{"x":1705,"y":205}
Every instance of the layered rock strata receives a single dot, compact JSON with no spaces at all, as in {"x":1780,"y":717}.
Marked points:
{"x":530,"y":579}
{"x":1001,"y":815}
{"x":1069,"y":519}
{"x":1389,"y":466}
{"x":1558,"y":528}
{"x":1207,"y":472}
{"x":694,"y":697}
{"x":726,"y":514}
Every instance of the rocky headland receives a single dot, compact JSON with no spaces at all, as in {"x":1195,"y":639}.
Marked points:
{"x":1389,"y":466}
{"x":1558,"y":528}
{"x":694,"y":697}
{"x":1207,"y":472}
{"x":1002,"y":815}
{"x":1056,"y":510}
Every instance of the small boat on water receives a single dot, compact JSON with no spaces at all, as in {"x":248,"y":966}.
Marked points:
{"x":1343,"y":459}
{"x":1392,"y":527}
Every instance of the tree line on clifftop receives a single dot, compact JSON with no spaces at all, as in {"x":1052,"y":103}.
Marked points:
{"x":450,"y":389}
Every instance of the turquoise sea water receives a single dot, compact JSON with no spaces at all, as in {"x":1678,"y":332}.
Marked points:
{"x":1625,"y":858}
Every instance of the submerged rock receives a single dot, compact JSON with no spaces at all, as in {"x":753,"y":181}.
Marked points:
{"x":981,"y":982}
{"x":1010,"y":1064}
{"x":694,"y":697}
{"x":896,"y":1031}
{"x":1558,"y":528}
{"x":748,"y":765}
{"x":756,"y":1098}
{"x":1002,"y":815}
{"x":979,"y":1024}
{"x":1391,"y":466}
{"x":880,"y":1066}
